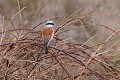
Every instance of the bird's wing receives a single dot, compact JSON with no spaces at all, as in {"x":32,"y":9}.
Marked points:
{"x":47,"y":40}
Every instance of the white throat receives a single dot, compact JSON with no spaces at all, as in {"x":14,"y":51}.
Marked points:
{"x":49,"y":25}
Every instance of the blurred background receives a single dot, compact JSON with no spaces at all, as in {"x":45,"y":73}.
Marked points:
{"x":107,"y":14}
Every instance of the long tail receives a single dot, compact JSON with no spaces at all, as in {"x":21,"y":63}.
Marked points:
{"x":46,"y":48}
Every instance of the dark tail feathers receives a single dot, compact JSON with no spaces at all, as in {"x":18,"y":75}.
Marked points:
{"x":46,"y":49}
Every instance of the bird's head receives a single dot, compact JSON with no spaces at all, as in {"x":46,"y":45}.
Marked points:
{"x":49,"y":23}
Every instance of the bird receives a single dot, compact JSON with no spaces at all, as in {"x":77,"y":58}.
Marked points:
{"x":47,"y":34}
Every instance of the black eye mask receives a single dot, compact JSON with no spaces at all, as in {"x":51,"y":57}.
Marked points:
{"x":49,"y":24}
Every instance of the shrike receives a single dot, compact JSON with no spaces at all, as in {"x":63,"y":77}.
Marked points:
{"x":47,"y":34}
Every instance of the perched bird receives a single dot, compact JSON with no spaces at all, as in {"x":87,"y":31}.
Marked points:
{"x":47,"y":34}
